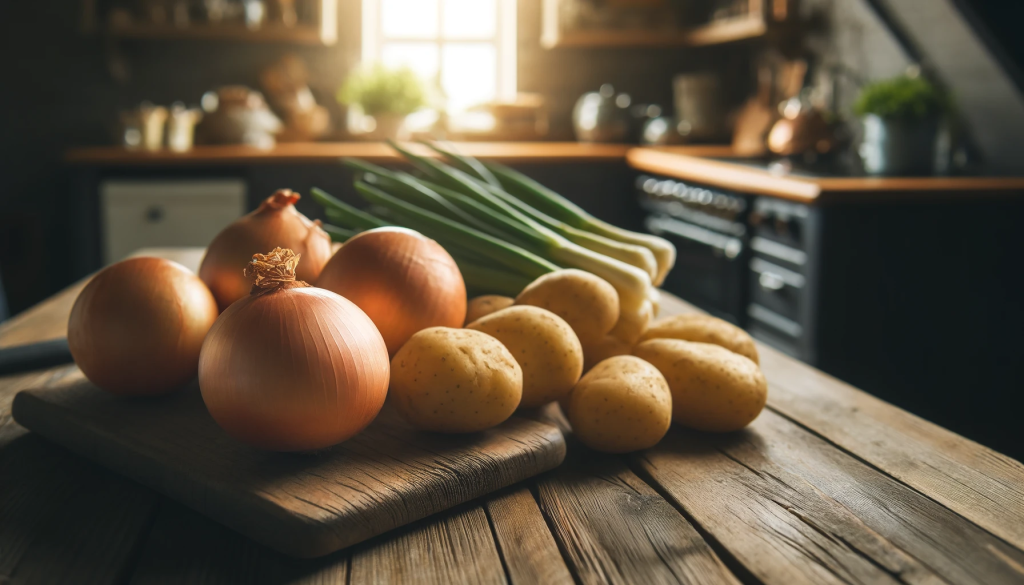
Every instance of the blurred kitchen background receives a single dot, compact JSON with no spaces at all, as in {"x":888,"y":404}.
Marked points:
{"x":841,"y":176}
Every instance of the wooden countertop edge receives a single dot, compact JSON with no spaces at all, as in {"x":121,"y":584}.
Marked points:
{"x":810,"y":189}
{"x":318,"y":152}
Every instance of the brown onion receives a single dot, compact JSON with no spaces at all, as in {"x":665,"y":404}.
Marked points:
{"x":403,"y":280}
{"x":137,"y":327}
{"x":291,"y":367}
{"x":275,"y":223}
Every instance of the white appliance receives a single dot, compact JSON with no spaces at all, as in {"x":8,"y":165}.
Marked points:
{"x":165,"y":213}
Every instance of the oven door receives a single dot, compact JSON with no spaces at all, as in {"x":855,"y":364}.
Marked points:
{"x":711,"y":267}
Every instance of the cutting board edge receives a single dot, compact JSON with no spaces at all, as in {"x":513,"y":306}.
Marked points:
{"x":310,"y":539}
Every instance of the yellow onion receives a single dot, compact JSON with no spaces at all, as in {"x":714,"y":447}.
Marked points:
{"x":290,"y":367}
{"x":136,"y":329}
{"x":276,"y":223}
{"x":403,"y":280}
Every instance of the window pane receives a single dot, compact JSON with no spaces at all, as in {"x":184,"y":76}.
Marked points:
{"x":414,"y":19}
{"x":469,"y":74}
{"x":469,"y":19}
{"x":420,"y":57}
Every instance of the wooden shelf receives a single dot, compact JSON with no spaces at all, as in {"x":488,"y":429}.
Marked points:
{"x":297,"y":34}
{"x":727,"y":31}
{"x":318,"y":26}
{"x":302,"y":34}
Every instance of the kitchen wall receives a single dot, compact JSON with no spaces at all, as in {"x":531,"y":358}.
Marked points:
{"x":63,"y":88}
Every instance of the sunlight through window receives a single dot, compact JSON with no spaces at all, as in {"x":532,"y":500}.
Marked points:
{"x":463,"y":49}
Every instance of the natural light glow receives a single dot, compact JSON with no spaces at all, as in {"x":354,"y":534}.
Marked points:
{"x":470,"y":19}
{"x":463,"y":49}
{"x":469,"y":74}
{"x":409,"y":19}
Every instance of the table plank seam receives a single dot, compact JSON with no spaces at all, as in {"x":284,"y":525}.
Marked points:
{"x":534,"y":488}
{"x":497,"y":541}
{"x":882,"y":471}
{"x":733,"y":564}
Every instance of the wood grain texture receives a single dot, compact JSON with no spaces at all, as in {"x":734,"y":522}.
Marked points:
{"x":614,"y":528}
{"x":63,"y":519}
{"x":524,"y":540}
{"x":301,"y":504}
{"x":455,"y":547}
{"x":185,"y":547}
{"x":974,"y":481}
{"x":759,"y":181}
{"x":790,"y":507}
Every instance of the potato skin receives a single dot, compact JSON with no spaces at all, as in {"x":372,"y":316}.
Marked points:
{"x":484,"y":305}
{"x":545,"y":347}
{"x":455,"y":381}
{"x":608,"y":346}
{"x":624,"y":404}
{"x":713,"y":389}
{"x":587,"y":302}
{"x":705,"y":329}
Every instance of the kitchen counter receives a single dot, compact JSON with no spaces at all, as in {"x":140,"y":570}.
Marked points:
{"x":320,"y":152}
{"x":735,"y":175}
{"x":829,"y":485}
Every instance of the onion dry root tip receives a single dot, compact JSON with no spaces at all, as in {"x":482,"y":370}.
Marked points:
{"x":282,"y":198}
{"x":273,"y":271}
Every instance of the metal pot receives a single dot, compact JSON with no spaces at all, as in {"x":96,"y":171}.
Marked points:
{"x":898,"y":146}
{"x":601,"y":116}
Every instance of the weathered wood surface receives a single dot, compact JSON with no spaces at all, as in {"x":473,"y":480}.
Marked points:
{"x":829,"y":485}
{"x":302,"y":504}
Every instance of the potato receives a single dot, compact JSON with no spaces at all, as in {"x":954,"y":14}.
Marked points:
{"x":587,"y":302}
{"x":713,"y":389}
{"x":631,"y":326}
{"x":602,"y":349}
{"x":705,"y":329}
{"x":623,"y":404}
{"x":455,"y":381}
{"x":485,"y":305}
{"x":545,"y":347}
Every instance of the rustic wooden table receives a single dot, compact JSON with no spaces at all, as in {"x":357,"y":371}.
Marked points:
{"x":829,"y":485}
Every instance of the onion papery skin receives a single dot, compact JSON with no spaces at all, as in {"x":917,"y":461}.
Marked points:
{"x":295,"y":369}
{"x":403,"y":280}
{"x":276,"y":223}
{"x":137,"y":328}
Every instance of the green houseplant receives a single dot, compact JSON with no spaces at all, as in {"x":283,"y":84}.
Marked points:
{"x":901,"y":118}
{"x":389,"y":95}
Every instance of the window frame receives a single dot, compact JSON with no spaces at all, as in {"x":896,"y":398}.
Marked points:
{"x":504,"y":41}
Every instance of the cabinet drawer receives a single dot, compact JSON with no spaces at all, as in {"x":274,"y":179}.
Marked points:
{"x":140,"y":214}
{"x":777,"y":288}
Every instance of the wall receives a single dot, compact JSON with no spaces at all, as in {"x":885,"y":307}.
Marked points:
{"x":60,"y":93}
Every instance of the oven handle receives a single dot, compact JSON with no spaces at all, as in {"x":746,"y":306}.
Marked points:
{"x":730,"y":247}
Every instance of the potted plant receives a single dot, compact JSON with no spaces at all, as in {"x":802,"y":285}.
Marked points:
{"x":902,"y":118}
{"x":388,"y":95}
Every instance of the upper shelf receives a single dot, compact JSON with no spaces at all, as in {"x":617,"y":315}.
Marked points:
{"x":307,"y":35}
{"x":736,"y":29}
{"x":315,"y":22}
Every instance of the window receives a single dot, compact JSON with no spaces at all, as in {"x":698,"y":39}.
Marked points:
{"x":464,"y":48}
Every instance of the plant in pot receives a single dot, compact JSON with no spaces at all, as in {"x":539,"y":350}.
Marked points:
{"x":902,"y":119}
{"x":388,"y":95}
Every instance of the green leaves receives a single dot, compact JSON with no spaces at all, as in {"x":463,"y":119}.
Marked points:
{"x":902,"y":98}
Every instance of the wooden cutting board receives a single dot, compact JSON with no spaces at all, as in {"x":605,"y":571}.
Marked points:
{"x":306,"y":504}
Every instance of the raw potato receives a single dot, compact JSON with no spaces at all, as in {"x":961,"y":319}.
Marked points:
{"x":602,"y":349}
{"x":705,"y":329}
{"x":545,"y":347}
{"x":485,"y":305}
{"x":713,"y":389}
{"x":631,"y":326}
{"x":622,"y":405}
{"x":587,"y":302}
{"x":455,"y":381}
